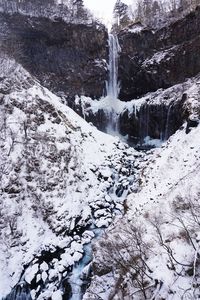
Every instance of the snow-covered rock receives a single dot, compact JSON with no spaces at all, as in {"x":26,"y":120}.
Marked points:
{"x":158,"y":240}
{"x":50,"y":194}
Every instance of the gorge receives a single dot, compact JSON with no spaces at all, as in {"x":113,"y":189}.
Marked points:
{"x":77,"y":204}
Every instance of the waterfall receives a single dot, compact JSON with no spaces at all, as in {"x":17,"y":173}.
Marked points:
{"x":113,"y":84}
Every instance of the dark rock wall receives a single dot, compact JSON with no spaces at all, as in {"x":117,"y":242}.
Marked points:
{"x":158,"y":121}
{"x":71,"y":59}
{"x":67,"y":58}
{"x":152,"y":60}
{"x":157,"y":116}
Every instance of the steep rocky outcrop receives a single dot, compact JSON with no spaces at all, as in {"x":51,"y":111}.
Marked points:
{"x":151,"y":60}
{"x":66,"y":58}
{"x":157,"y":115}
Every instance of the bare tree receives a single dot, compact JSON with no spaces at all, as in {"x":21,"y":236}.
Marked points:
{"x":127,"y":253}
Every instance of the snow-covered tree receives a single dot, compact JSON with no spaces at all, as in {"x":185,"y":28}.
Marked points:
{"x":79,"y":10}
{"x":156,"y":13}
{"x":72,"y":11}
{"x":121,"y":14}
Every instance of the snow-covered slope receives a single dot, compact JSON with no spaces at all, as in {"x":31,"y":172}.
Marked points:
{"x":60,"y":179}
{"x":154,"y":252}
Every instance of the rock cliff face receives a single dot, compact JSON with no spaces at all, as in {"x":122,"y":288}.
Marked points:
{"x":71,"y":59}
{"x":159,"y":116}
{"x":151,"y":60}
{"x":155,"y":116}
{"x":67,"y":58}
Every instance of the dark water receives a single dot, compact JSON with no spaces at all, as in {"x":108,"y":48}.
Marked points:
{"x":20,"y":292}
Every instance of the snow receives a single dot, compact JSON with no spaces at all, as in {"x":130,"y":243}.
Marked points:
{"x":136,"y":28}
{"x":55,"y":168}
{"x":44,"y":266}
{"x":44,"y":276}
{"x":170,"y":174}
{"x":57,"y":295}
{"x":67,"y":175}
{"x":159,"y":56}
{"x":30,"y":273}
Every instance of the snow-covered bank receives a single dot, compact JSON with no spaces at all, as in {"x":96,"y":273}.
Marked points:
{"x":154,"y":253}
{"x":60,"y":177}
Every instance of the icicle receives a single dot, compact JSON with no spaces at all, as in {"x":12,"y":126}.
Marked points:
{"x":167,"y":123}
{"x":135,"y":110}
{"x":83,"y":108}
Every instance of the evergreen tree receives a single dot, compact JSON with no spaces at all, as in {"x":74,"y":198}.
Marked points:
{"x":79,"y":9}
{"x":121,"y":14}
{"x":139,"y":12}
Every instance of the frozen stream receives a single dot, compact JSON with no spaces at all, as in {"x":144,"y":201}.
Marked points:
{"x":80,"y":277}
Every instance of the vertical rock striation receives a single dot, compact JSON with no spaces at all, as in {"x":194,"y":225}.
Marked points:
{"x":69,"y":59}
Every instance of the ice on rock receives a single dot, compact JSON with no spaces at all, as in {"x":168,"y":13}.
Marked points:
{"x":31,"y":273}
{"x":44,"y":266}
{"x":86,"y":270}
{"x":44,"y":276}
{"x":57,"y":295}
{"x":76,"y":247}
{"x":66,"y":260}
{"x":77,"y":256}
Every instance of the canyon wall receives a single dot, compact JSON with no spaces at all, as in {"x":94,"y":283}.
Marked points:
{"x":69,"y":59}
{"x":151,"y":60}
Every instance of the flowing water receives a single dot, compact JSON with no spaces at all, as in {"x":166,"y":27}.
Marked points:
{"x":20,"y":292}
{"x":113,"y":86}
